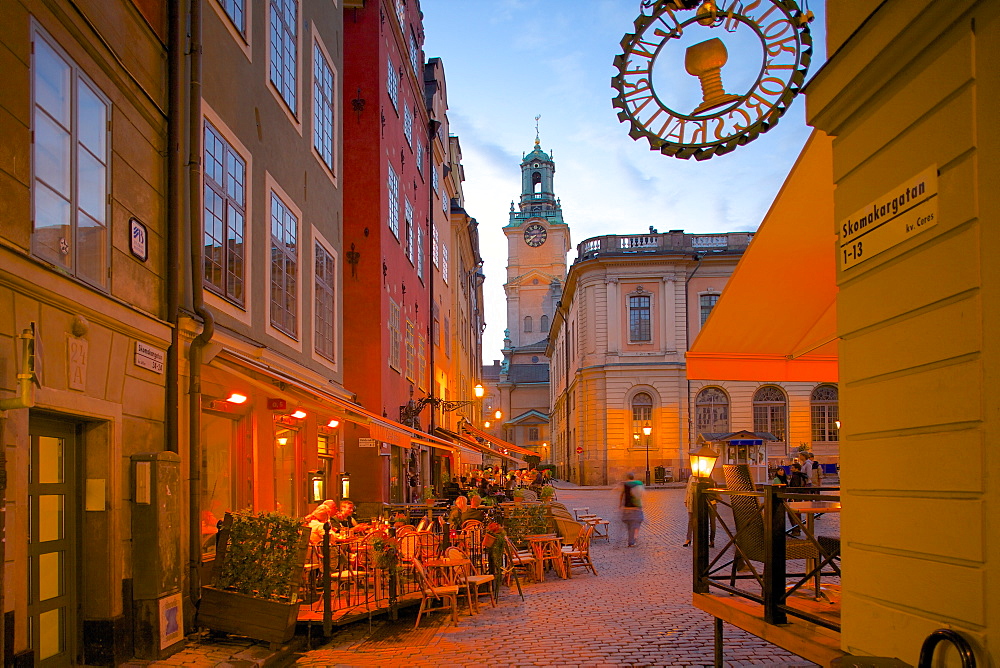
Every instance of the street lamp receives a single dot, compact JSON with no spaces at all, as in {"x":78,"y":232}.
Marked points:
{"x":647,"y":430}
{"x":703,"y":461}
{"x":409,"y":413}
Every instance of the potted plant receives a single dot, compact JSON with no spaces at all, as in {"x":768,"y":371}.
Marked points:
{"x":546,"y":493}
{"x":518,"y":496}
{"x":255,"y":589}
{"x":428,"y":496}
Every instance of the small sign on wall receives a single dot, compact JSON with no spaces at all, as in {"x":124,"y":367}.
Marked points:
{"x":149,"y":357}
{"x":367,"y":443}
{"x":138,"y":239}
{"x":171,"y":620}
{"x":77,"y":368}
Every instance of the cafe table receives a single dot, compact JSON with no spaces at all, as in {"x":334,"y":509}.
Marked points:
{"x":810,"y":509}
{"x":547,"y":547}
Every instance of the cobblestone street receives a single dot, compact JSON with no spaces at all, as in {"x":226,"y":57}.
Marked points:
{"x":637,"y":611}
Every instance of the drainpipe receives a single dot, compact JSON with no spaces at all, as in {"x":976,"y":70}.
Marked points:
{"x":175,"y":215}
{"x":687,"y":345}
{"x":432,"y":130}
{"x":197,"y":292}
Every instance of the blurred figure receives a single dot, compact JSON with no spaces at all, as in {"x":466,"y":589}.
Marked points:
{"x":631,"y":506}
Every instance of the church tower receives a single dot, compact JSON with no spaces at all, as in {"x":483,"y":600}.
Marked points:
{"x":537,"y":243}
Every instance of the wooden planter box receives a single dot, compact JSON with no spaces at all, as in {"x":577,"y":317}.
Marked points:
{"x":244,"y":615}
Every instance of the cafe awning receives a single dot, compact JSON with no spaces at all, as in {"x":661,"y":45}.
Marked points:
{"x":777,"y":318}
{"x":498,"y":442}
{"x":468,"y":443}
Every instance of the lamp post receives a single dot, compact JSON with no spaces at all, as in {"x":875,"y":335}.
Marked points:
{"x":703,"y":461}
{"x":647,"y":430}
{"x":409,"y":413}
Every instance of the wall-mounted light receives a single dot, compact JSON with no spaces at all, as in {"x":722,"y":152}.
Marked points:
{"x":836,"y":423}
{"x":333,"y":424}
{"x":498,"y":414}
{"x":236,"y":398}
{"x":478,"y":391}
{"x":299,"y":414}
{"x":486,"y":425}
{"x":282,"y":440}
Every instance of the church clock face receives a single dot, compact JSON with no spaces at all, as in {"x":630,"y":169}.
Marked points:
{"x":534,"y":235}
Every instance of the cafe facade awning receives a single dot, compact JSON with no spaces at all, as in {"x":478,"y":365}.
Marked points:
{"x":463,"y":443}
{"x":498,"y":442}
{"x":776,"y":320}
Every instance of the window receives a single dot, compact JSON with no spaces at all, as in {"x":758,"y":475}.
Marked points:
{"x":544,"y":325}
{"x":411,"y":351}
{"x":392,"y":84}
{"x":393,"y":202}
{"x":447,"y":337}
{"x":284,"y":267}
{"x":642,"y":416}
{"x":638,"y":318}
{"x":420,"y":252}
{"x":393,"y":335}
{"x":408,"y":124}
{"x":770,"y":410}
{"x":421,"y":361}
{"x":284,"y":49}
{"x":434,"y":245}
{"x":420,"y":157}
{"x":414,"y":55}
{"x":444,"y":202}
{"x":825,"y":414}
{"x":533,"y":434}
{"x":401,"y":12}
{"x":326,"y":286}
{"x":435,"y":326}
{"x":527,"y":323}
{"x":408,"y":214}
{"x":711,"y":409}
{"x":323,"y":95}
{"x":237,"y":12}
{"x":70,"y":153}
{"x":225,"y":212}
{"x":434,"y":178}
{"x":707,"y":304}
{"x":444,"y":262}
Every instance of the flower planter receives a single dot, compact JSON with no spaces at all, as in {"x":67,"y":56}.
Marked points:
{"x":229,"y":611}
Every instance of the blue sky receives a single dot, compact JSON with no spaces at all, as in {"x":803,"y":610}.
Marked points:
{"x":508,"y":60}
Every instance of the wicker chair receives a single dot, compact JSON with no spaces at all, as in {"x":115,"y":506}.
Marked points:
{"x":471,"y":580}
{"x":446,"y":594}
{"x":517,"y":560}
{"x":579,"y":554}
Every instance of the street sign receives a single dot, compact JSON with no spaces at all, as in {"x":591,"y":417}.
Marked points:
{"x":579,"y":449}
{"x":276,"y":404}
{"x":367,"y":443}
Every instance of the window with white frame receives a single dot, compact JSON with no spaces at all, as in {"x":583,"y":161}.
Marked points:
{"x":435,"y":325}
{"x":434,"y":245}
{"x":770,"y":411}
{"x":407,"y":124}
{"x":284,"y":49}
{"x":824,"y":405}
{"x":444,"y":262}
{"x":393,"y":335}
{"x":642,"y":416}
{"x":446,"y":343}
{"x":445,"y":203}
{"x":284,"y":267}
{"x":707,"y":303}
{"x":408,"y":216}
{"x":434,"y":178}
{"x":324,"y":86}
{"x":639,"y":317}
{"x":401,"y":12}
{"x":236,"y":9}
{"x":411,"y":351}
{"x":392,"y":84}
{"x":393,"y":202}
{"x":711,"y":408}
{"x":533,"y":434}
{"x":325,"y":277}
{"x":420,"y":157}
{"x":70,"y":151}
{"x":225,"y":213}
{"x":414,"y":55}
{"x":420,"y":252}
{"x":421,"y":361}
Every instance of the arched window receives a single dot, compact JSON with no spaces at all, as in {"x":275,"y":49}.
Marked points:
{"x":711,"y":408}
{"x":536,"y":182}
{"x":642,"y":416}
{"x":825,"y":414}
{"x":770,"y":411}
{"x":527,"y":323}
{"x":545,"y":324}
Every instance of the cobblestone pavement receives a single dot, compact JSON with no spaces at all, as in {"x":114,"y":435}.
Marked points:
{"x":637,"y":611}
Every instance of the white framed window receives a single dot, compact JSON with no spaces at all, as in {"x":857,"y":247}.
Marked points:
{"x":393,"y":214}
{"x":414,"y":55}
{"x":325,"y":295}
{"x":408,"y":124}
{"x":224,"y":217}
{"x":401,"y":12}
{"x":421,"y":362}
{"x":434,"y":178}
{"x":408,"y":221}
{"x":411,"y":351}
{"x":639,"y":319}
{"x":71,"y":182}
{"x":420,"y":157}
{"x":706,"y":304}
{"x":434,"y":245}
{"x":446,"y":343}
{"x":770,"y":411}
{"x":236,"y":10}
{"x":444,"y":203}
{"x":284,"y":50}
{"x":392,"y":84}
{"x":420,"y":252}
{"x":324,"y":107}
{"x":393,"y":335}
{"x":642,"y":416}
{"x":712,"y":411}
{"x":825,"y":409}
{"x":284,"y":267}
{"x":444,"y":262}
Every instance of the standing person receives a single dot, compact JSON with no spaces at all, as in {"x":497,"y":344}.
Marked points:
{"x":806,"y":465}
{"x":815,"y":471}
{"x":631,"y":506}
{"x":780,"y":477}
{"x":797,"y":478}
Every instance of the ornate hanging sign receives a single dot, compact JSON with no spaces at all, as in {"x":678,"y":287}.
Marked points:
{"x":699,"y":78}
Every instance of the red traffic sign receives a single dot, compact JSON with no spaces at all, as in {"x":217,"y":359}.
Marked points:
{"x":579,"y":449}
{"x":276,"y":404}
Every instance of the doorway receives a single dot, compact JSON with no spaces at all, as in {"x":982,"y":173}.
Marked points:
{"x":52,"y":542}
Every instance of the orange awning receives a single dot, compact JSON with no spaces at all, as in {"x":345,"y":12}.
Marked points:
{"x":777,"y":317}
{"x":499,"y":442}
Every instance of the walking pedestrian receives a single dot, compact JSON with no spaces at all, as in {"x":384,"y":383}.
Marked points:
{"x":631,"y":506}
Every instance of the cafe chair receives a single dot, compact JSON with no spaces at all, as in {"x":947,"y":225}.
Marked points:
{"x":578,"y":555}
{"x":447,"y":594}
{"x":471,"y":580}
{"x":515,"y":560}
{"x":405,"y":530}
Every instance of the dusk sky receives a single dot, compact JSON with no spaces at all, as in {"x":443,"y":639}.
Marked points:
{"x":507,"y":61}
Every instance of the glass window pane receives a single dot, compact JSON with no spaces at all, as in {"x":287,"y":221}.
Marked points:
{"x":53,"y":234}
{"x":284,"y":471}
{"x":52,"y":153}
{"x":50,"y":633}
{"x":50,"y":460}
{"x":50,"y":575}
{"x":52,"y":77}
{"x":217,"y":489}
{"x":92,"y":186}
{"x":50,"y":517}
{"x":92,"y":249}
{"x":92,"y":119}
